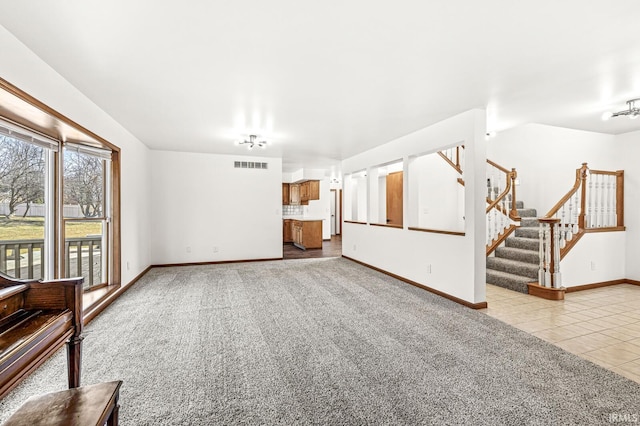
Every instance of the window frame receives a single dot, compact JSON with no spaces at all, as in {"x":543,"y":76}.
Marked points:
{"x":21,"y":109}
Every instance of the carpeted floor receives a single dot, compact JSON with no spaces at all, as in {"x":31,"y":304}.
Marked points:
{"x":324,"y":341}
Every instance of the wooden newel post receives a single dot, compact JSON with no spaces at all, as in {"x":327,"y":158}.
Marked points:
{"x":458,"y":157}
{"x":582,"y":175}
{"x":620,"y":198}
{"x":551,"y":253}
{"x":514,"y":211}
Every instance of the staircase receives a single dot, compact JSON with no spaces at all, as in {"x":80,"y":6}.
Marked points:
{"x":516,"y":264}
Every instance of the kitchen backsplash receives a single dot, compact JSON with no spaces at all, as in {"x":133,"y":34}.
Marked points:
{"x":292,"y":210}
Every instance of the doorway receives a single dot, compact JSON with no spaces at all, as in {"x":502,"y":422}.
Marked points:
{"x":336,"y":211}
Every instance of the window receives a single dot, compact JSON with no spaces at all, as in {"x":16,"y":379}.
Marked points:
{"x":386,"y":183}
{"x":59,"y":195}
{"x":355,"y":196}
{"x":436,"y":191}
{"x":85,"y":219}
{"x":25,"y":164}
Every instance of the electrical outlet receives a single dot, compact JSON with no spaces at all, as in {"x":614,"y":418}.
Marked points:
{"x":128,"y":266}
{"x":428,"y":268}
{"x":215,"y":249}
{"x":593,"y":265}
{"x":188,"y":249}
{"x":354,"y":247}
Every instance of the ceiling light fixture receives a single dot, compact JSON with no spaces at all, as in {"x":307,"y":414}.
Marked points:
{"x":633,"y":111}
{"x":253,"y":141}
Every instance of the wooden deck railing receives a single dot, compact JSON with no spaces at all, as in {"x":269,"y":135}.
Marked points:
{"x":22,"y":259}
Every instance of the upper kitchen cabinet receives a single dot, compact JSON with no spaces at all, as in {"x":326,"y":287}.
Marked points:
{"x":285,"y":194}
{"x":295,"y":194}
{"x":310,"y":190}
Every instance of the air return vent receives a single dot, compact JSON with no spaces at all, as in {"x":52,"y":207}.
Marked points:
{"x":249,"y":165}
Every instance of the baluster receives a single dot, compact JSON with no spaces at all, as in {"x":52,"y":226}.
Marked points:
{"x":557,"y":278}
{"x":589,"y":221}
{"x":30,"y":261}
{"x":79,"y":259}
{"x":495,"y":224}
{"x":605,"y":200}
{"x":576,"y":221}
{"x":503,"y":218}
{"x":569,"y":225}
{"x":563,"y":226}
{"x":614,"y":203}
{"x":600,"y":200}
{"x":17,"y":268}
{"x":90,"y":263}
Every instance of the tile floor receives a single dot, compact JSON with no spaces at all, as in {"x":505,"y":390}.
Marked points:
{"x":601,"y":325}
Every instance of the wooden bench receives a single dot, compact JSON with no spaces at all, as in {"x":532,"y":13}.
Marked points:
{"x":36,"y":319}
{"x":92,"y":405}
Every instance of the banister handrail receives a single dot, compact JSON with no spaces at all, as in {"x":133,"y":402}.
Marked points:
{"x":595,"y":203}
{"x":497,"y":166}
{"x":510,"y":186}
{"x":455,"y":165}
{"x":499,"y":215}
{"x":581,"y":175}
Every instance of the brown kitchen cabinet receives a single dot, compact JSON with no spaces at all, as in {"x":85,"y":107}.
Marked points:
{"x":295,"y":194}
{"x":304,"y":191}
{"x":287,"y":230}
{"x":307,"y":234}
{"x":313,"y":190}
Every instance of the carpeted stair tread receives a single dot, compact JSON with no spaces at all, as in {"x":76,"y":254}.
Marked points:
{"x":514,"y":267}
{"x":529,"y":222}
{"x":508,"y":281}
{"x":522,"y":255}
{"x":516,"y":263}
{"x":527,"y":212}
{"x":522,"y":243}
{"x":527,"y":233}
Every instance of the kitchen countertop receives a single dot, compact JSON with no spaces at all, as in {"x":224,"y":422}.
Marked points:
{"x":302,"y":218}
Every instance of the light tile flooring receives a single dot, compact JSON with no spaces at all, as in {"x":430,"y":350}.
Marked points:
{"x":601,"y":325}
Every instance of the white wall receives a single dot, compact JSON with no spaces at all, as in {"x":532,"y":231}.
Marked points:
{"x":627,"y":146}
{"x":546,"y":159}
{"x":22,"y":68}
{"x":457,"y":262}
{"x":596,"y":258}
{"x":200,"y":202}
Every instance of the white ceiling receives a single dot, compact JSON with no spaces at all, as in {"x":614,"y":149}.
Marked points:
{"x":324,"y":80}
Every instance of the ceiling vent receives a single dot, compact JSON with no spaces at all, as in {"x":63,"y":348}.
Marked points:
{"x":250,"y":165}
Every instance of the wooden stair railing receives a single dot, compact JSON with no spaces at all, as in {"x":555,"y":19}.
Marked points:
{"x":595,"y":203}
{"x":501,"y":210}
